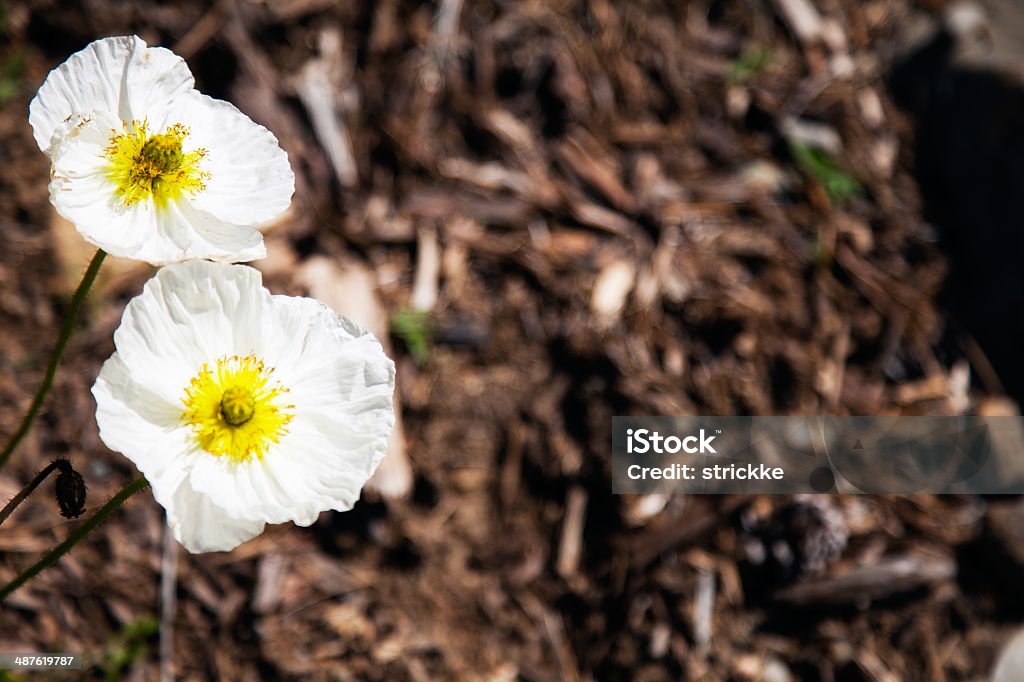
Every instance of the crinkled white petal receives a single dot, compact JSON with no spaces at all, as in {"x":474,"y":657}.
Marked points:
{"x":82,"y":192}
{"x":120,"y":75}
{"x":189,"y":315}
{"x":220,"y":240}
{"x":250,"y":179}
{"x":336,"y":374}
{"x":202,"y":526}
{"x":141,"y":424}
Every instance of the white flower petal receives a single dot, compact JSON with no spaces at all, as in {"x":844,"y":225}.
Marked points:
{"x":81,"y":191}
{"x":188,"y":315}
{"x":222,"y":241}
{"x":118,"y":75}
{"x":305,"y":474}
{"x":202,"y":526}
{"x":134,"y":420}
{"x":134,"y":413}
{"x":250,"y":179}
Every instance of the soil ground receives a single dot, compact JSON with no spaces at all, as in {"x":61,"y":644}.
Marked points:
{"x":605,"y":208}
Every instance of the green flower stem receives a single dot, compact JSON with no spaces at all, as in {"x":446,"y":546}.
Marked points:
{"x":62,"y":341}
{"x":26,"y":491}
{"x":79,"y":533}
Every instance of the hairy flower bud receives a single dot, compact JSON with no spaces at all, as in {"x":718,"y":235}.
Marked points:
{"x":70,"y":490}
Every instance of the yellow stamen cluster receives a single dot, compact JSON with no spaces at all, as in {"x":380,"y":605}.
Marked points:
{"x":235,"y":408}
{"x":144,"y":166}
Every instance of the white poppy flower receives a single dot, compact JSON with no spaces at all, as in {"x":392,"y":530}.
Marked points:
{"x":242,"y":408}
{"x":147,"y":167}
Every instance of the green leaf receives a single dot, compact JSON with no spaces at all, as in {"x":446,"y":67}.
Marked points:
{"x":752,"y":62}
{"x":415,"y":329}
{"x":816,"y":163}
{"x":127,"y":646}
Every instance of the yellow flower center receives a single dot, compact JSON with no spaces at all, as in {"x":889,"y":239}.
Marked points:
{"x":235,"y":409}
{"x":144,"y":166}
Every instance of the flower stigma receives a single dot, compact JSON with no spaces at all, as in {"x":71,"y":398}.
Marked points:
{"x":237,"y":405}
{"x":235,"y":409}
{"x":144,"y":166}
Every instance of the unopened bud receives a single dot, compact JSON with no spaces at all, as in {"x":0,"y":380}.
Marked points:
{"x":70,"y":490}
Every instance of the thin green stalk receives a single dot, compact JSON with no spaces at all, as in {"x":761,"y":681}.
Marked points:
{"x":60,"y":550}
{"x":62,"y":341}
{"x":26,"y":491}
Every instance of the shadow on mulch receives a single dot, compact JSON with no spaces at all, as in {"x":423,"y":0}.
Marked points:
{"x":968,"y":162}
